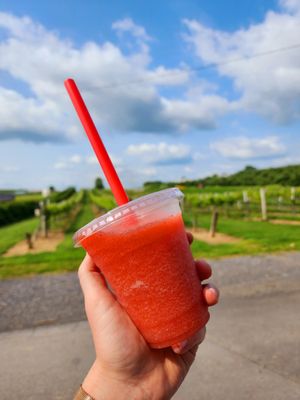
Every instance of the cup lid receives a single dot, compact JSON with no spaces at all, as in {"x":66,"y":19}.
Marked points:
{"x":131,"y":207}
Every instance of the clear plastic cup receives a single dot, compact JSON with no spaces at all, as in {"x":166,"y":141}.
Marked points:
{"x":142,"y":250}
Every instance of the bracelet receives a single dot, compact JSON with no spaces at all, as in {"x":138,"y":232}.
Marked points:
{"x":82,"y":395}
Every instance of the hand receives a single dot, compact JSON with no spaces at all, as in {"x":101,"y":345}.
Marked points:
{"x":125,"y":366}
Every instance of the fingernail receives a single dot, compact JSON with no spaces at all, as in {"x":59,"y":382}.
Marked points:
{"x":214,"y":292}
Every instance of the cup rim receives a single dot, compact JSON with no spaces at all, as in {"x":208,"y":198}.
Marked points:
{"x":141,"y":203}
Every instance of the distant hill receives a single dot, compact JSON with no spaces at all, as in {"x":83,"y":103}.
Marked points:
{"x":249,"y":176}
{"x":289,"y":175}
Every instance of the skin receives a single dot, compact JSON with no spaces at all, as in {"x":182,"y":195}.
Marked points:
{"x":125,"y":366}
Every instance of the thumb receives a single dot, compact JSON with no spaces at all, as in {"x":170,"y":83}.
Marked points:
{"x":93,"y":285}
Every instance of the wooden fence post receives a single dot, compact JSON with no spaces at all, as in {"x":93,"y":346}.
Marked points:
{"x":245,"y":196}
{"x":246,"y":202}
{"x":293,"y":193}
{"x":280,"y":200}
{"x":293,"y":199}
{"x":214,"y":222}
{"x":263,"y":203}
{"x":28,"y":237}
{"x":44,"y":222}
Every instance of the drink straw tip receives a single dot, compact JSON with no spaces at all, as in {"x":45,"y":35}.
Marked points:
{"x":68,"y":80}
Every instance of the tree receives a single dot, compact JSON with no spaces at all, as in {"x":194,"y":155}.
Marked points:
{"x":99,"y":184}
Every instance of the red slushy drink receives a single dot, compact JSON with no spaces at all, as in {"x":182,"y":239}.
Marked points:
{"x":143,"y":252}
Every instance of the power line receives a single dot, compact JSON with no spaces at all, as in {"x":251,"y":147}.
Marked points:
{"x":202,"y":67}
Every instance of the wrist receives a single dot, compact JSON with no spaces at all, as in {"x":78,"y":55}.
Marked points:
{"x":100,"y":386}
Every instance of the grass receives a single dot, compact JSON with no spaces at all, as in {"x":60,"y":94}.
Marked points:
{"x":29,"y":197}
{"x":204,"y":250}
{"x":84,"y":216}
{"x":256,"y":237}
{"x":14,"y":233}
{"x":270,"y":237}
{"x":287,"y":217}
{"x":65,"y":258}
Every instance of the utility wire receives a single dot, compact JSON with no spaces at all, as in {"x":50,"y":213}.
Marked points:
{"x":202,"y":67}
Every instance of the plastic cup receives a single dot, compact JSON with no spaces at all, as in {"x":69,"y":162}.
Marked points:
{"x":142,"y":250}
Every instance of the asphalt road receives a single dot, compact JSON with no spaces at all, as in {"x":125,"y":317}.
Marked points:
{"x":40,"y":300}
{"x":252,"y":349}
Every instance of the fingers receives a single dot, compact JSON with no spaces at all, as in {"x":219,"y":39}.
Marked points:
{"x":190,"y":237}
{"x":191,"y":343}
{"x":211,"y":294}
{"x":203,"y":269}
{"x":92,"y":282}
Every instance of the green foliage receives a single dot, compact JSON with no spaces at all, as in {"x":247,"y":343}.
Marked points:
{"x":99,"y":184}
{"x":66,"y":205}
{"x":29,"y":197}
{"x":65,"y":258}
{"x":249,"y":176}
{"x":104,"y":200}
{"x":57,"y":197}
{"x":277,"y":197}
{"x":287,"y":176}
{"x":255,"y":236}
{"x":155,"y":186}
{"x":14,"y":211}
{"x":212,"y":199}
{"x":84,"y":216}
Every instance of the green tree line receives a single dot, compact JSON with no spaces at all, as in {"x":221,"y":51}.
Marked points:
{"x":249,"y":176}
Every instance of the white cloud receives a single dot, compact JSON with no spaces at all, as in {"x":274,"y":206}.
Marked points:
{"x":188,"y":169}
{"x":161,"y":153}
{"x":135,"y":177}
{"x":40,"y":60}
{"x":268,"y":85}
{"x":249,"y":148}
{"x":92,"y":160}
{"x":127,"y":25}
{"x":200,"y":113}
{"x":75,"y":159}
{"x":68,"y":162}
{"x":60,"y":165}
{"x":286,"y":160}
{"x":290,"y":5}
{"x":148,"y":171}
{"x":197,"y":156}
{"x":9,"y":168}
{"x":161,"y":76}
{"x":117,"y":161}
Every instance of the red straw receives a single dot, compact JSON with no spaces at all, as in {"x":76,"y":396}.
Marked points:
{"x":96,"y":142}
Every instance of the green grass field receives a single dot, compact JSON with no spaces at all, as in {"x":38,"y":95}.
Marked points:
{"x":65,"y":258}
{"x":29,"y":197}
{"x":14,"y":233}
{"x":255,"y":237}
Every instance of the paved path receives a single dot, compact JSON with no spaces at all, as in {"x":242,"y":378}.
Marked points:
{"x":252,"y":350}
{"x":40,"y":300}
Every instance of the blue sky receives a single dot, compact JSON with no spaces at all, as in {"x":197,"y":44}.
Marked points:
{"x":141,"y":68}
